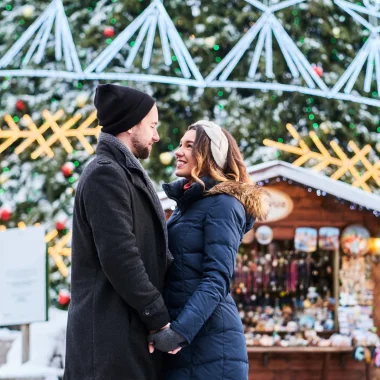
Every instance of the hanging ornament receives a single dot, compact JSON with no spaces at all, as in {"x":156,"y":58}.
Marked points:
{"x":5,"y":214}
{"x":305,"y":239}
{"x":355,"y":240}
{"x":28,"y":11}
{"x":20,"y":105}
{"x":328,"y":238}
{"x":264,"y":235}
{"x":210,"y":41}
{"x":109,"y":31}
{"x":336,"y":32}
{"x":68,"y":169}
{"x":81,"y":100}
{"x":325,"y":127}
{"x":60,"y":225}
{"x":318,"y":70}
{"x":61,"y":221}
{"x":166,"y":158}
{"x":64,"y":297}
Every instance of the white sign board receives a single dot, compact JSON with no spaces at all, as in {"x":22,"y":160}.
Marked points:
{"x":281,"y":205}
{"x":23,"y":285}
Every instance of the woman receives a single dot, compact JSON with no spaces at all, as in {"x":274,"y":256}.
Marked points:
{"x":216,"y":206}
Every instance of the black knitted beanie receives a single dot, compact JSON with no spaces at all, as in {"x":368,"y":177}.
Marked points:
{"x":120,"y":108}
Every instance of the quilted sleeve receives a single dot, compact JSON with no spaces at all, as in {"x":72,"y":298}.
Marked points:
{"x":223,"y":229}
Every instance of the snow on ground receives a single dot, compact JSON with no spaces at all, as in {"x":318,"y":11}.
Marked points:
{"x":6,"y":334}
{"x":47,"y":350}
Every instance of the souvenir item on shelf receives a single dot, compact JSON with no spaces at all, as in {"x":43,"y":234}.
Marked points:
{"x":329,"y":238}
{"x":355,"y":318}
{"x":338,"y":340}
{"x":305,"y":239}
{"x":264,"y":235}
{"x":365,"y":338}
{"x":355,"y":240}
{"x":352,"y":276}
{"x":377,"y":357}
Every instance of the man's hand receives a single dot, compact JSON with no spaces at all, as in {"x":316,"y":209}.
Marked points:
{"x":150,"y":344}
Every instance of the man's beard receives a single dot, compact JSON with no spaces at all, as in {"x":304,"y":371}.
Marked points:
{"x":141,"y":151}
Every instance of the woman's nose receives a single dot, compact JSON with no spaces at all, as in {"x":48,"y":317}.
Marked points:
{"x":178,"y":152}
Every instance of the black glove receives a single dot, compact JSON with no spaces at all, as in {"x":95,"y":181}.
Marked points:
{"x":166,"y":340}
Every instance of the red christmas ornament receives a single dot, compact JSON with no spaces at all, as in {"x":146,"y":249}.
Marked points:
{"x":20,"y":105}
{"x":109,"y":31}
{"x":318,"y":70}
{"x":60,"y":226}
{"x":68,"y":169}
{"x":64,"y":297}
{"x":5,"y":214}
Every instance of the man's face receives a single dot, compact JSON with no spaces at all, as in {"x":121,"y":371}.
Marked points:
{"x":145,"y":134}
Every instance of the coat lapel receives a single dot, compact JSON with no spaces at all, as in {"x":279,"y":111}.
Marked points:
{"x":139,"y":183}
{"x":134,"y":175}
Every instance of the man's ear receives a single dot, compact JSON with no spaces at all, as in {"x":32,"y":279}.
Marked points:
{"x":131,"y":130}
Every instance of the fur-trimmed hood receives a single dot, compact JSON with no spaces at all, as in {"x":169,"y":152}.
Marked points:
{"x":254,"y":198}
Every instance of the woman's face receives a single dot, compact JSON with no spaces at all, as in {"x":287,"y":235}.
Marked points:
{"x":185,"y":160}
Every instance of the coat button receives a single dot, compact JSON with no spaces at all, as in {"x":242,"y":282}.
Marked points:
{"x":146,"y":311}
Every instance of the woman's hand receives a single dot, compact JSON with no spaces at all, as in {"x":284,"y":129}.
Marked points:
{"x":175,"y":351}
{"x":150,"y":344}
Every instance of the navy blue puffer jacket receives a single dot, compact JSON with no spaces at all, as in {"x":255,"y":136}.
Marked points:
{"x":204,"y":235}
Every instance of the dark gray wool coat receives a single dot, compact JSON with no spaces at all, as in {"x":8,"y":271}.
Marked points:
{"x":119,"y":259}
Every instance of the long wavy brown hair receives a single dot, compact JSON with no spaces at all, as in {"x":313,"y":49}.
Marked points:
{"x":235,"y":169}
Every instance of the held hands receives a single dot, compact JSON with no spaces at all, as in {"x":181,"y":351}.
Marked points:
{"x":150,"y":344}
{"x":166,"y":340}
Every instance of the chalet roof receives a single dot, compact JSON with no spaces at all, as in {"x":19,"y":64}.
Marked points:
{"x":307,"y":177}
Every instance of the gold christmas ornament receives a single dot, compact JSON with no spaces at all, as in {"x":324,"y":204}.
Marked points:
{"x":166,"y":158}
{"x":58,"y":250}
{"x":336,"y":32}
{"x":49,"y":133}
{"x":81,"y":100}
{"x":28,"y":11}
{"x":344,"y":164}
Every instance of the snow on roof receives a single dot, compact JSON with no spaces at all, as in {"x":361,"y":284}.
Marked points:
{"x":307,"y":177}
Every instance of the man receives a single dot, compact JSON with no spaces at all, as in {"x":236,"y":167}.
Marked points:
{"x":119,"y":248}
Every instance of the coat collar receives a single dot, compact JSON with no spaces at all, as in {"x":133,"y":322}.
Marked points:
{"x":195,"y":192}
{"x":106,"y":148}
{"x":135,"y":174}
{"x":253,"y":198}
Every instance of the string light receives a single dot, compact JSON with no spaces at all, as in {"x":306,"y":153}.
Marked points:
{"x":155,"y":16}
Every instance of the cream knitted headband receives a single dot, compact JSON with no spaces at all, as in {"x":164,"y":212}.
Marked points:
{"x":219,"y":142}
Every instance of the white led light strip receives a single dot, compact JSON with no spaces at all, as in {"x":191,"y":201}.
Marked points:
{"x":155,"y":19}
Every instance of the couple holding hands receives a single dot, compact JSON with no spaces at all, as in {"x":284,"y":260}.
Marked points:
{"x":151,"y":299}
